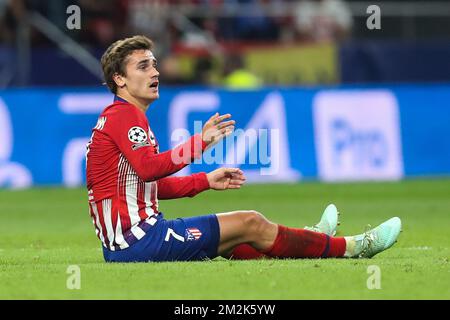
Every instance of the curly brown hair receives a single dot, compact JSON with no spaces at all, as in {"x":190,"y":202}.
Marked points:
{"x":114,"y":59}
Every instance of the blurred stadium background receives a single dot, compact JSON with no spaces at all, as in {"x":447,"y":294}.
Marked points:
{"x":349,"y":103}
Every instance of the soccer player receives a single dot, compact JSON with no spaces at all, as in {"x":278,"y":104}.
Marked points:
{"x":127,"y":175}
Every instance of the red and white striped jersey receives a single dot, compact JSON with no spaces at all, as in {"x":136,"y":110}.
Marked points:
{"x":126,"y":174}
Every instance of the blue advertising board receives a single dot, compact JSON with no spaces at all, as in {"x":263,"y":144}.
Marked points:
{"x":282,"y":134}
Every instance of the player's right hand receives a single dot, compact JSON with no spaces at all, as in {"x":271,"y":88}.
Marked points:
{"x":216,"y":128}
{"x":226,"y":178}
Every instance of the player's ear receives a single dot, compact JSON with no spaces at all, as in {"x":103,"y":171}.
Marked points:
{"x":119,"y":80}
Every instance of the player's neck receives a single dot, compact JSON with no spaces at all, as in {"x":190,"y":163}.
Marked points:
{"x":141,"y":104}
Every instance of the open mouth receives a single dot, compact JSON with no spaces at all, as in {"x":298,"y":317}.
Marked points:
{"x":154,"y":84}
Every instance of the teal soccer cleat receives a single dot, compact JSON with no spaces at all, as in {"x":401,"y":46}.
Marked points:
{"x":328,"y":223}
{"x":378,"y":239}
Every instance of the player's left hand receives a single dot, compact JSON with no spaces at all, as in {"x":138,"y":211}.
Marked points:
{"x":226,"y":178}
{"x":216,"y":128}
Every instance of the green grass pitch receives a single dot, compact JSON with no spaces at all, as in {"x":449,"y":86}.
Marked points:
{"x":43,"y":231}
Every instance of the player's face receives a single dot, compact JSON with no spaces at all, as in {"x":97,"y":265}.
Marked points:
{"x":141,"y":76}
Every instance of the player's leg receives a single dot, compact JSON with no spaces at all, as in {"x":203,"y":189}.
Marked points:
{"x":280,"y":241}
{"x":247,"y":228}
{"x":204,"y":237}
{"x":274,"y":240}
{"x":328,"y":224}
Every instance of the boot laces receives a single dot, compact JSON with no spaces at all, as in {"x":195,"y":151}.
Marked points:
{"x":368,"y":240}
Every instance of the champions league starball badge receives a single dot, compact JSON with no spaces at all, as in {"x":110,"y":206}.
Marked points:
{"x":137,"y":135}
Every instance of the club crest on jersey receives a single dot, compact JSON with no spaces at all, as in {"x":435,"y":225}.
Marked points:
{"x":192,"y":234}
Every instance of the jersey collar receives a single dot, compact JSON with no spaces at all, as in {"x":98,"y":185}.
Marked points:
{"x":117,"y":98}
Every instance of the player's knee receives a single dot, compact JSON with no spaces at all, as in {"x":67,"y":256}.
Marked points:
{"x":255,"y":221}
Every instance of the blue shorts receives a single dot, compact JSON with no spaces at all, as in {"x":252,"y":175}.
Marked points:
{"x":182,"y":239}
